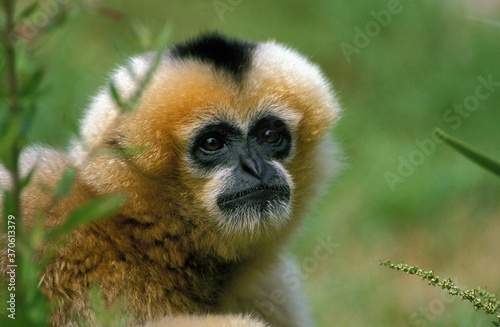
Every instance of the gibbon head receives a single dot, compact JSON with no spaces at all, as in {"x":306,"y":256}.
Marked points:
{"x":227,"y":134}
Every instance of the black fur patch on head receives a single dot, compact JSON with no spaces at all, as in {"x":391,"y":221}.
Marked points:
{"x":229,"y":55}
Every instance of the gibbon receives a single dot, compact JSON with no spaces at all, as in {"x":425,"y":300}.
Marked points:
{"x":225,"y":149}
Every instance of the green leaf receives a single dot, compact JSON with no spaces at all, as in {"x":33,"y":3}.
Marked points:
{"x":108,"y":314}
{"x":91,"y":211}
{"x":130,"y":70}
{"x":7,"y":206}
{"x":116,"y":96}
{"x":163,"y":36}
{"x":40,"y":282}
{"x":478,"y":157}
{"x":134,"y":99}
{"x":29,"y":10}
{"x":126,"y":152}
{"x":28,"y":117}
{"x":65,"y":184}
{"x":56,"y":21}
{"x":143,"y":34}
{"x":496,"y":323}
{"x":9,"y":136}
{"x":25,"y":181}
{"x":33,"y":83}
{"x":11,"y":205}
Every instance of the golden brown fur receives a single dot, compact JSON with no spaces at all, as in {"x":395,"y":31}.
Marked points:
{"x":167,"y":253}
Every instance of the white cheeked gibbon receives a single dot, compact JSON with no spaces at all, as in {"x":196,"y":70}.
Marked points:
{"x":230,"y":143}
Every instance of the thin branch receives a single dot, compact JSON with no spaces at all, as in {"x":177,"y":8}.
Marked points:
{"x":13,"y":95}
{"x":10,"y":56}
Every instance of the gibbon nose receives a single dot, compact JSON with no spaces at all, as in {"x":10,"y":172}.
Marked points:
{"x":251,"y":166}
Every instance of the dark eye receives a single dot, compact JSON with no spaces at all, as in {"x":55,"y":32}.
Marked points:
{"x":212,"y":143}
{"x":269,"y":135}
{"x":271,"y":132}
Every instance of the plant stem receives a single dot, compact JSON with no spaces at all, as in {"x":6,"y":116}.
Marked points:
{"x":13,"y":95}
{"x":10,"y":54}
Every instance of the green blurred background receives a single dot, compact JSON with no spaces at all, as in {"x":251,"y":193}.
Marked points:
{"x":405,"y":77}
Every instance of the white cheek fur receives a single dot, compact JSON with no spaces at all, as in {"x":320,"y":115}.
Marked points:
{"x":245,"y":219}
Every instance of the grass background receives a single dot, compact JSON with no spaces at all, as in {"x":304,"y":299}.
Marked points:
{"x":444,"y":216}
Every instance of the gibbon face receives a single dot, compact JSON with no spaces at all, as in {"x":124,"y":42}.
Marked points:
{"x":247,"y":183}
{"x":229,"y":135}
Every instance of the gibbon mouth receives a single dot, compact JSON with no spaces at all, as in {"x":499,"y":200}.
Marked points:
{"x":257,"y":193}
